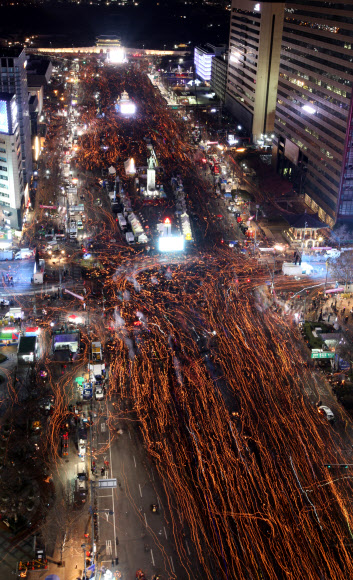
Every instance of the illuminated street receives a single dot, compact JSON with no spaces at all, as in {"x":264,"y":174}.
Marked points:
{"x":181,"y":433}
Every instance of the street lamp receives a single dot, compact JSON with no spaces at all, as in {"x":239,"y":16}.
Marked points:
{"x":83,"y":546}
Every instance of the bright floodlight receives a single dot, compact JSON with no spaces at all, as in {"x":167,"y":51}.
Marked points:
{"x":128,"y":108}
{"x":171,"y":244}
{"x":309,"y":109}
{"x":117,"y":55}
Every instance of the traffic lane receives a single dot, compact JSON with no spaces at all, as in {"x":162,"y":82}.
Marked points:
{"x":148,"y":533}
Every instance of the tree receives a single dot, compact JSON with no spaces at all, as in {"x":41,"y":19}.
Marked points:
{"x":341,"y":234}
{"x":60,"y":528}
{"x":341,"y":268}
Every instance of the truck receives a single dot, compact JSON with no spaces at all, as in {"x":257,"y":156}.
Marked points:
{"x":38,"y":272}
{"x":87,"y":391}
{"x":24,"y":254}
{"x":6,"y":255}
{"x":73,"y":229}
{"x":97,"y":371}
{"x":121,"y":221}
{"x":130,"y":238}
{"x":96,"y":351}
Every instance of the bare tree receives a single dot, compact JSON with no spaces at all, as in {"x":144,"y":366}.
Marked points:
{"x":341,"y":235}
{"x":59,"y":528}
{"x":341,"y":268}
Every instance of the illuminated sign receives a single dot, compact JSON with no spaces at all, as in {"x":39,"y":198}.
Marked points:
{"x":127,"y":108}
{"x":4,"y":123}
{"x":171,"y":243}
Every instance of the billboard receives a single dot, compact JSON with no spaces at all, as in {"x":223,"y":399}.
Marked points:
{"x":171,"y":243}
{"x":4,"y":122}
{"x":291,"y":151}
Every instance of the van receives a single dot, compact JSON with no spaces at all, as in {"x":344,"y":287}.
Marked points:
{"x":81,"y":490}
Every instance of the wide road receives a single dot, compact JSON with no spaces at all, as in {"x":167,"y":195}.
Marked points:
{"x":210,"y":383}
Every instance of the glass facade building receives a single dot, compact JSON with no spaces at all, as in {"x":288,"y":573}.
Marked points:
{"x":13,"y":79}
{"x":313,"y":123}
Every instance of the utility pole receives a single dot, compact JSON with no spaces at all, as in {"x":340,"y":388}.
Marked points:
{"x":257,"y":208}
{"x":326,"y":276}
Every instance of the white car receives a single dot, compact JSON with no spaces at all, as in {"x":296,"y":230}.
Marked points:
{"x":326,"y":412}
{"x":99,"y":394}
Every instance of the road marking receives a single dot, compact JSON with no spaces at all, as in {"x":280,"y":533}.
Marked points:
{"x":144,"y":515}
{"x":187,"y":547}
{"x":140,"y":490}
{"x":103,"y":427}
{"x":129,"y":434}
{"x":108,"y":547}
{"x":171,"y":561}
{"x":152,"y":558}
{"x":165,"y":533}
{"x":152,"y":475}
{"x":134,"y":460}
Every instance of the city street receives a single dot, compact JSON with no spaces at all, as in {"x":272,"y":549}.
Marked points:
{"x":174,"y":400}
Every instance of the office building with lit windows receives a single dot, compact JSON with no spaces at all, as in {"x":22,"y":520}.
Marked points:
{"x":253,"y":64}
{"x":203,"y":56}
{"x":313,"y":144}
{"x":13,"y":79}
{"x":12,"y":189}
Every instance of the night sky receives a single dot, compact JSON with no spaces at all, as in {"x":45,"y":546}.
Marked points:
{"x":146,"y":24}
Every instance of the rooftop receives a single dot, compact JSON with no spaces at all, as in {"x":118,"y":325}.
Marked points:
{"x":27,"y":344}
{"x":6,"y":96}
{"x":304,"y":221}
{"x":37,"y":66}
{"x":11,"y":51}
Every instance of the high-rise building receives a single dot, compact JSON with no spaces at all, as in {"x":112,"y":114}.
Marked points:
{"x":203,"y":56}
{"x":219,"y":76}
{"x":253,"y":63}
{"x":13,"y":79}
{"x":314,"y":124}
{"x":12,"y":190}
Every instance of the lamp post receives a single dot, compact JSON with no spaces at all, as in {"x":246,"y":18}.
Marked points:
{"x":83,"y":546}
{"x":303,"y":239}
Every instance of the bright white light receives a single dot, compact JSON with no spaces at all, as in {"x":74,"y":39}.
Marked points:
{"x":239,"y":127}
{"x":306,"y":268}
{"x":171,"y":243}
{"x":213,"y":111}
{"x":235,"y":56}
{"x":128,"y":108}
{"x":309,"y":109}
{"x":257,"y":7}
{"x":117,"y":55}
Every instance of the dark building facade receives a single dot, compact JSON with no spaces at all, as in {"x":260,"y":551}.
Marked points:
{"x":313,"y":146}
